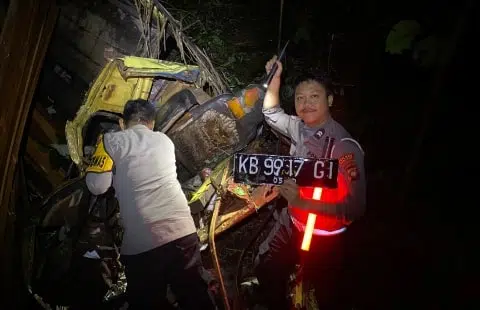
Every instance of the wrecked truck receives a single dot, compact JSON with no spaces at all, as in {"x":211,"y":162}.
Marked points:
{"x":206,"y":130}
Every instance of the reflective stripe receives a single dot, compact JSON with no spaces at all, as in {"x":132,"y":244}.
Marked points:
{"x":351,"y":140}
{"x":101,"y":160}
{"x":331,"y":143}
{"x":317,"y":232}
{"x":325,"y":147}
{"x":244,"y":102}
{"x":236,"y":107}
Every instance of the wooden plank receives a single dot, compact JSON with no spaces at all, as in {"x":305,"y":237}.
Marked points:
{"x":44,"y":125}
{"x":24,"y":39}
{"x":42,"y":161}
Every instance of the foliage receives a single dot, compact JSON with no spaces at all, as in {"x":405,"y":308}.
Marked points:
{"x":157,"y":25}
{"x":239,"y":39}
{"x":401,"y":36}
{"x":426,"y":51}
{"x":224,"y":54}
{"x":408,"y":35}
{"x":213,"y":25}
{"x":302,"y":33}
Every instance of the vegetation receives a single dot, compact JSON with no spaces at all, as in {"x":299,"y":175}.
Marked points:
{"x":220,"y":28}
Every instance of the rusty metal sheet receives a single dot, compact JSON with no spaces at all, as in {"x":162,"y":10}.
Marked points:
{"x":109,"y":93}
{"x":241,"y":204}
{"x":24,"y":39}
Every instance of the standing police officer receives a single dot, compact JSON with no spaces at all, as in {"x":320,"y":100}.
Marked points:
{"x":313,"y":133}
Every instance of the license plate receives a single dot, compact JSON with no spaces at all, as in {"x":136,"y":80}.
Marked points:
{"x":273,"y":169}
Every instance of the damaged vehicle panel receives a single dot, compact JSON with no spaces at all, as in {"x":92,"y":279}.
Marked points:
{"x":121,"y":80}
{"x":206,"y":132}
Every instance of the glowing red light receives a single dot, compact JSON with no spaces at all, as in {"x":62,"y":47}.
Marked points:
{"x":327,"y":195}
{"x":320,"y":222}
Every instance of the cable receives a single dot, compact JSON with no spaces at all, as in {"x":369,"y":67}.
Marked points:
{"x":211,"y":239}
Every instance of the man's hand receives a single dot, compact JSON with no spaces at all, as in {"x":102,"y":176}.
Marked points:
{"x":270,"y":191}
{"x":289,"y":190}
{"x":269,"y":65}
{"x":272,"y":96}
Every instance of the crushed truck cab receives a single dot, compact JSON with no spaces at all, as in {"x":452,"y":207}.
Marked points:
{"x":121,"y":80}
{"x":206,"y":129}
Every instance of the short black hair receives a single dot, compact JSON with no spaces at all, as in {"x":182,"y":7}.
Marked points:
{"x":139,"y":110}
{"x":319,"y":77}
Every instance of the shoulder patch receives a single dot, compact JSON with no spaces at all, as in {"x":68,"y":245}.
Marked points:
{"x":347,"y":163}
{"x":100,"y":161}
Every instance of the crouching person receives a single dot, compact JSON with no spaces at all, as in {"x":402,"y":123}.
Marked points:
{"x":160,"y":244}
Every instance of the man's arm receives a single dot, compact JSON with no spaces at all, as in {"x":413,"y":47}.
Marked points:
{"x":352,"y":175}
{"x":279,"y":120}
{"x":99,"y":172}
{"x":274,"y":114}
{"x":272,"y":96}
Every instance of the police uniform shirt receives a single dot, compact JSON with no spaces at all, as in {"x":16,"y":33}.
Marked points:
{"x":330,"y":140}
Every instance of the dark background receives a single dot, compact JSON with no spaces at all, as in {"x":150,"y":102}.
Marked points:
{"x":413,"y":246}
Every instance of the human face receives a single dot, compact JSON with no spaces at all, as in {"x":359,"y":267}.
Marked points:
{"x":312,"y":103}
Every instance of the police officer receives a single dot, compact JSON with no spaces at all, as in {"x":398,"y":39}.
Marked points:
{"x":160,"y":244}
{"x":313,"y":133}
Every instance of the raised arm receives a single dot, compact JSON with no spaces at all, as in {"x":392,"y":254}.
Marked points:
{"x":275,"y":116}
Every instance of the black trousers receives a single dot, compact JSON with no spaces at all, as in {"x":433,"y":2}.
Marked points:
{"x":324,"y":265}
{"x":177,"y":263}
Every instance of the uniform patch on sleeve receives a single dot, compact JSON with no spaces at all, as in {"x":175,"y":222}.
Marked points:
{"x":100,"y":161}
{"x":347,"y":163}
